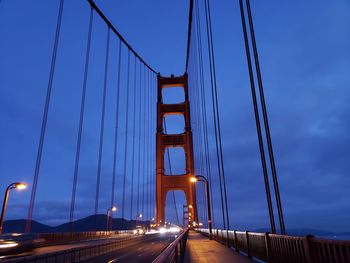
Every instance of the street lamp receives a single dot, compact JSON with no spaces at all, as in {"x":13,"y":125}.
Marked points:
{"x":201,"y":178}
{"x":113,"y":209}
{"x":138,"y":218}
{"x":18,"y":186}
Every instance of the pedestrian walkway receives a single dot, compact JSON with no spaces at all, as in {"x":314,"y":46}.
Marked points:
{"x":200,"y":249}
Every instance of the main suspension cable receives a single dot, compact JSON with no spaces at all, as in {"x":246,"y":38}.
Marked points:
{"x":115,"y":31}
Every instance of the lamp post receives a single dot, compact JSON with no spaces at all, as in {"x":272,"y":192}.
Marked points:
{"x":113,"y":209}
{"x":18,"y":186}
{"x":201,"y":178}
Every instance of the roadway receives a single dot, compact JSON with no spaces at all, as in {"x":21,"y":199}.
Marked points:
{"x":61,"y":247}
{"x":144,"y":251}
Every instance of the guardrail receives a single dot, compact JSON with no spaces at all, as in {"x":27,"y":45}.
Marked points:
{"x":56,"y":238}
{"x":82,"y":253}
{"x":175,"y":251}
{"x":282,"y":248}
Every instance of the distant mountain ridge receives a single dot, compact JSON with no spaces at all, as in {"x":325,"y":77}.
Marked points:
{"x":90,"y":223}
{"x":98,"y":223}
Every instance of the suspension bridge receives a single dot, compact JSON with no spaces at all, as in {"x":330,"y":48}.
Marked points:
{"x":120,"y":117}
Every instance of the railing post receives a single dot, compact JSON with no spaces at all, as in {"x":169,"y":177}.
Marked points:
{"x":176,"y":253}
{"x":227,"y":239}
{"x":247,"y":240}
{"x":235,"y":238}
{"x":307,"y":251}
{"x":267,"y":247}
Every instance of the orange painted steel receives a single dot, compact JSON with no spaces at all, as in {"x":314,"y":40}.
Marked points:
{"x":165,"y":183}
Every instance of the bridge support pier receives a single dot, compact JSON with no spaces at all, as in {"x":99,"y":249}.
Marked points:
{"x":165,"y":183}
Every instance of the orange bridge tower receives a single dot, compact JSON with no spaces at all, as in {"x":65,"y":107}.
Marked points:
{"x":164,"y":182}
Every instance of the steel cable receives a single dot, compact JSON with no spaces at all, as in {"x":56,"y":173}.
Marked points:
{"x":257,"y":120}
{"x":133,"y":142}
{"x":266,"y":122}
{"x":116,"y":125}
{"x":81,"y":119}
{"x":100,"y":152}
{"x":126,"y":136}
{"x":44,"y":119}
{"x":203,"y":105}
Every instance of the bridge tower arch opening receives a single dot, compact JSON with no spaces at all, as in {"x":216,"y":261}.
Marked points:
{"x":165,"y":183}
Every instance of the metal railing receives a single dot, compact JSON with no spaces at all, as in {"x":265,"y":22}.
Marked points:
{"x":175,"y":251}
{"x":82,"y":253}
{"x":282,"y":248}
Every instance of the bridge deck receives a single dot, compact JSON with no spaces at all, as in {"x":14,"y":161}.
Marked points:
{"x":200,"y":249}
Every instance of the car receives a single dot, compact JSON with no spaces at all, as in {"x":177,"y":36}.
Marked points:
{"x":140,"y":230}
{"x":19,"y":242}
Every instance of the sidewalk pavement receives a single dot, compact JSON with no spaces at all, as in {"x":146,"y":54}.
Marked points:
{"x":200,"y":249}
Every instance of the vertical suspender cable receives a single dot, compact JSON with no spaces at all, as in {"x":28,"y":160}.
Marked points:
{"x":116,"y":126}
{"x":215,"y":115}
{"x":266,"y":122}
{"x":126,"y":136}
{"x":218,"y":117}
{"x":204,"y":108}
{"x":44,"y":119}
{"x":133,"y":143}
{"x":257,"y":120}
{"x":81,"y":119}
{"x":144,"y":144}
{"x":100,"y":152}
{"x":154,"y":141}
{"x":139,"y":144}
{"x":147,"y":142}
{"x":150,"y":146}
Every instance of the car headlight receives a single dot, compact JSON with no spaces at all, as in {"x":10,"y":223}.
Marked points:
{"x":8,"y":244}
{"x":162,"y":230}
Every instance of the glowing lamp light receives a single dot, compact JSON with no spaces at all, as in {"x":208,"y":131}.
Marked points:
{"x":193,"y":179}
{"x":114,"y":208}
{"x":190,"y":206}
{"x":20,"y":186}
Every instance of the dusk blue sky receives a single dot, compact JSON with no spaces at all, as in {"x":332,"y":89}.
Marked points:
{"x":305,"y":62}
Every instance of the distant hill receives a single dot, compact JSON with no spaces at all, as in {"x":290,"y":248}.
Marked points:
{"x":90,"y":223}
